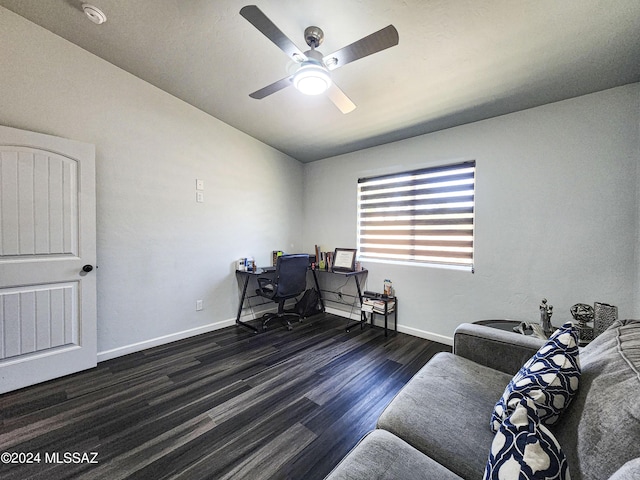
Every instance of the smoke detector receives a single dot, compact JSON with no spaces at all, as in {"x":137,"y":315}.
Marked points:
{"x":96,"y":15}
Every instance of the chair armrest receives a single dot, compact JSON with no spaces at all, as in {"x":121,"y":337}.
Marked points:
{"x":494,"y":348}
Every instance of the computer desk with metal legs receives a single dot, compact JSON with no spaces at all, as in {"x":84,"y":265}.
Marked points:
{"x":357,"y":275}
{"x":246,"y":276}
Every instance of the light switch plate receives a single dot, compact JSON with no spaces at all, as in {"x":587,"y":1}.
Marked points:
{"x":199,"y":184}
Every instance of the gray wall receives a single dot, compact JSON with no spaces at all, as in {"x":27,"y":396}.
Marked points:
{"x":556,"y":213}
{"x":557,"y":200}
{"x":158,"y":250}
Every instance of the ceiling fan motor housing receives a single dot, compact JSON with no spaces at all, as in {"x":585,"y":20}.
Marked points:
{"x":314,"y":56}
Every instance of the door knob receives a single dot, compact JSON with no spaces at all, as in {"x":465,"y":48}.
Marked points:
{"x":87,"y":268}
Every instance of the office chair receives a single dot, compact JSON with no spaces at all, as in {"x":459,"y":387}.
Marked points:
{"x":288,"y":281}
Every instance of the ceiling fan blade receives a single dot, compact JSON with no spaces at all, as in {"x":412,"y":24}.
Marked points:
{"x":259,"y":20}
{"x":340,"y":99}
{"x":273,"y":88}
{"x":380,"y":40}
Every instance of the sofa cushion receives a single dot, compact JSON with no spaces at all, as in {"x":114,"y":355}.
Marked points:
{"x":525,"y":449}
{"x":381,"y":455}
{"x":550,"y":378}
{"x":600,"y":431}
{"x":442,"y":411}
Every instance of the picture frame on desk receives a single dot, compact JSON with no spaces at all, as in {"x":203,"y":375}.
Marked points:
{"x":344,"y":260}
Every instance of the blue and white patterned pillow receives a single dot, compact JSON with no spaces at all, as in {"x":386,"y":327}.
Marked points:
{"x":524,"y":449}
{"x":550,"y":378}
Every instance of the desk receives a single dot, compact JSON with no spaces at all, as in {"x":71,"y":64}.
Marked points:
{"x":357,"y":276}
{"x":246,"y":276}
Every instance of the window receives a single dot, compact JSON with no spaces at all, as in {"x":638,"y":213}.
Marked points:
{"x":419,"y":217}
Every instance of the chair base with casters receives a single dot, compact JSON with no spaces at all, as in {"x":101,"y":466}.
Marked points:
{"x":288,"y":281}
{"x":281,"y":314}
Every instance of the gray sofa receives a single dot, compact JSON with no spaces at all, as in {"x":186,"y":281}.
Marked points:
{"x":437,"y":427}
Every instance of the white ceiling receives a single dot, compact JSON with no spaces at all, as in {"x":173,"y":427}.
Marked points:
{"x":457,"y":61}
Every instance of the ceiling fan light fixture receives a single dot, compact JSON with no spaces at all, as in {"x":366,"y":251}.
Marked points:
{"x":311,"y":79}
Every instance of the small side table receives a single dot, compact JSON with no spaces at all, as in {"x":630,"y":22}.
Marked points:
{"x":510,"y":326}
{"x":390,"y":306}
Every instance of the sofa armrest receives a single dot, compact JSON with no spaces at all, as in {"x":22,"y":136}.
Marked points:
{"x":498,"y":349}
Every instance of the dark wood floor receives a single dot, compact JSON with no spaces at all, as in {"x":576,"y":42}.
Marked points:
{"x":225,"y":405}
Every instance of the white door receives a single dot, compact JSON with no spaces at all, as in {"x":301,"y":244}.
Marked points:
{"x":47,"y":237}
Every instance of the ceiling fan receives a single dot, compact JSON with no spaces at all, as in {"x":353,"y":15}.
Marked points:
{"x":312,"y":73}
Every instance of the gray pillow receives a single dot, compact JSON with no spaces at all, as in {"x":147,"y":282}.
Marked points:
{"x":600,"y":431}
{"x":629,"y":471}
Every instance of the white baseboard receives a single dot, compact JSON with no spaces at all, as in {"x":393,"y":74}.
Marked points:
{"x":154,"y":342}
{"x":343,"y":313}
{"x":434,"y":337}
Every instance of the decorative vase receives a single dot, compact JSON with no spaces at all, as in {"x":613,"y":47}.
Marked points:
{"x":583,"y":314}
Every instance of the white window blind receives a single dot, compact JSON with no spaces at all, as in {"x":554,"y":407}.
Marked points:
{"x":423,"y":216}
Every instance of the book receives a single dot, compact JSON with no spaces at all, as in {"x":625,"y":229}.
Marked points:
{"x":377,"y":306}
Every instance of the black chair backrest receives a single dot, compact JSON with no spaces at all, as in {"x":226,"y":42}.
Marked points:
{"x":291,"y":274}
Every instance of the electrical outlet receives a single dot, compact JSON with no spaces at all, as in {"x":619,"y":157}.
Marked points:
{"x":199,"y":197}
{"x":198,"y":305}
